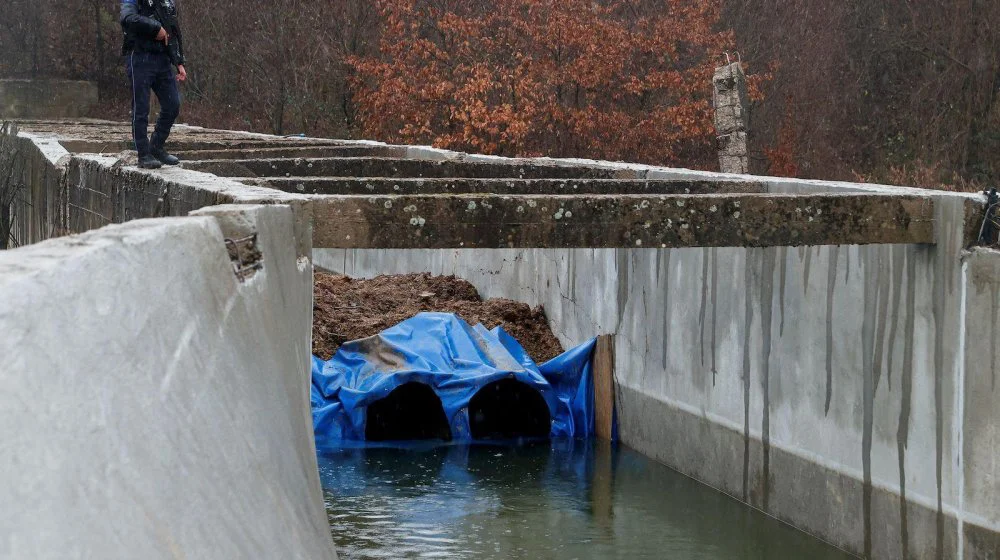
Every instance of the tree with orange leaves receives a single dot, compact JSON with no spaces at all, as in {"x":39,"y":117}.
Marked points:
{"x":613,"y":79}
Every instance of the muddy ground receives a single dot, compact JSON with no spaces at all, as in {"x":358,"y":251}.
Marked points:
{"x":347,"y":309}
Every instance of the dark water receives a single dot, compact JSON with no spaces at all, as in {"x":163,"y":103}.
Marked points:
{"x":559,"y":500}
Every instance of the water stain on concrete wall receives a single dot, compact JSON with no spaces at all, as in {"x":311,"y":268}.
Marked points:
{"x":830,"y":291}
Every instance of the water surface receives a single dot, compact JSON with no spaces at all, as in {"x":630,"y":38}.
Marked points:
{"x":572,"y":500}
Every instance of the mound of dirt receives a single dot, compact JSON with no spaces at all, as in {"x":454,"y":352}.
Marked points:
{"x":345,"y":309}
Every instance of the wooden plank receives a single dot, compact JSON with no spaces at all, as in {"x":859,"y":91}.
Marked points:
{"x":604,"y":386}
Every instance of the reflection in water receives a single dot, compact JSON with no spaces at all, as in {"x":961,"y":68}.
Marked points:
{"x":565,"y":499}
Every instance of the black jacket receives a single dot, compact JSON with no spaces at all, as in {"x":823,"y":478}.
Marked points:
{"x":141,"y":21}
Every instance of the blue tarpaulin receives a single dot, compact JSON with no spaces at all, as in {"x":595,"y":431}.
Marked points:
{"x":443,"y":352}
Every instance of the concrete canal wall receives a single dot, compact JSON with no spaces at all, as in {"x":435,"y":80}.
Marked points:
{"x":150,"y":408}
{"x":819,"y":384}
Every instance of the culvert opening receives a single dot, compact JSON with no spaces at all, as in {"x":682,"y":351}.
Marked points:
{"x":410,"y":412}
{"x":508,"y":409}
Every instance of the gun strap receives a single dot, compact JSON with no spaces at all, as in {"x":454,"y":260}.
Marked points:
{"x":166,"y":21}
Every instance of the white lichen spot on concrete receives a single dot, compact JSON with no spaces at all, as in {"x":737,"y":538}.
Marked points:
{"x":532,"y":203}
{"x":569,"y":214}
{"x":300,"y":187}
{"x":411,"y":208}
{"x":471,"y":206}
{"x":736,"y":215}
{"x":638,"y":242}
{"x":520,"y":209}
{"x":395,"y":187}
{"x":680,"y":204}
{"x":647,"y":225}
{"x":736,"y":203}
{"x":559,"y":214}
{"x":713,"y":208}
{"x":644,"y":204}
{"x":684,"y":226}
{"x":388,"y":204}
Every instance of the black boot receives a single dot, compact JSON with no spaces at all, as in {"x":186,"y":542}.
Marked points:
{"x":163,"y":157}
{"x":149,"y":162}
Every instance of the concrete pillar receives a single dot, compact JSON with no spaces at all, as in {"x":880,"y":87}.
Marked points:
{"x":731,"y":103}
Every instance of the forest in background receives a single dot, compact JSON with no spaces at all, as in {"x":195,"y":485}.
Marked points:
{"x":897,"y":91}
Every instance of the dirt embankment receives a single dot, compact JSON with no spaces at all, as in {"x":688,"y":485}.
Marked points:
{"x":347,"y":309}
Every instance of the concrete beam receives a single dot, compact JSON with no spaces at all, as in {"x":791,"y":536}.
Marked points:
{"x":395,"y":167}
{"x":401,"y":186}
{"x":607,"y":221}
{"x":187,"y":154}
{"x":100,"y":144}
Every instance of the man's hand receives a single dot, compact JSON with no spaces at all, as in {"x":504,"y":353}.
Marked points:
{"x":163,"y":36}
{"x":181,"y":73}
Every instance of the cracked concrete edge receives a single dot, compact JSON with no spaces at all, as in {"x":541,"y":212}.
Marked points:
{"x":49,"y":148}
{"x":239,"y":220}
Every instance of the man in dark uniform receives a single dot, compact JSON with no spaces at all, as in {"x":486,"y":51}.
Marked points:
{"x":152,"y":45}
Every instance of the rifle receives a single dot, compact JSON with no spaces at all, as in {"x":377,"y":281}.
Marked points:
{"x":169,"y":22}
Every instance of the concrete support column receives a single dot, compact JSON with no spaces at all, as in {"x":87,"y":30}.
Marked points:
{"x":731,"y":103}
